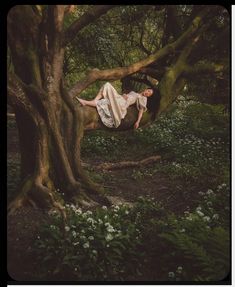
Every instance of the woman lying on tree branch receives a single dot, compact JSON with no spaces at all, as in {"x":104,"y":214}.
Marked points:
{"x":112,"y":107}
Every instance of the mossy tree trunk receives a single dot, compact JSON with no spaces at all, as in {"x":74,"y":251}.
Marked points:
{"x":50,"y":124}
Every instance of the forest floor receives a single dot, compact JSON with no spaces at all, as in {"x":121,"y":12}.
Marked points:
{"x":122,"y":186}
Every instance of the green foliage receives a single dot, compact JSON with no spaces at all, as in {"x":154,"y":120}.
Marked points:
{"x":126,"y":242}
{"x":101,"y":143}
{"x":97,"y":245}
{"x":193,"y":140}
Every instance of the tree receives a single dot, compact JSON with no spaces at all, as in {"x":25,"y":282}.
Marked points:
{"x":50,"y":122}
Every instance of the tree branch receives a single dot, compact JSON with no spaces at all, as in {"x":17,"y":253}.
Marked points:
{"x":120,"y":72}
{"x":89,"y":17}
{"x":125,"y":164}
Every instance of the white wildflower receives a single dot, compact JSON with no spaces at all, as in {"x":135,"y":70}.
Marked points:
{"x":206,"y":218}
{"x":91,"y":237}
{"x":67,"y":228}
{"x":100,"y":221}
{"x":215,"y":216}
{"x":109,"y":237}
{"x":209,"y":191}
{"x":74,"y":233}
{"x":171,"y":274}
{"x":91,"y":220}
{"x":75,"y":243}
{"x":179,"y":269}
{"x":189,"y":218}
{"x":104,"y":207}
{"x":126,"y":212}
{"x":86,"y":245}
{"x":73,"y":207}
{"x":52,"y":212}
{"x":78,"y":211}
{"x":200,"y":213}
{"x":110,"y":229}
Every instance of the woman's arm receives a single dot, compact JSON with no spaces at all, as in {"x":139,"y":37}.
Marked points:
{"x":141,"y":111}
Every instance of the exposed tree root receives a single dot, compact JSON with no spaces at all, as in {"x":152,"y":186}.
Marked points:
{"x":125,"y":164}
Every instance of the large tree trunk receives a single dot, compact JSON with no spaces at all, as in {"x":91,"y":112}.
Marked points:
{"x":50,"y":125}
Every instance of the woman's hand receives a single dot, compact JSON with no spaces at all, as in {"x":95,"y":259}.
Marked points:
{"x":125,"y":96}
{"x":136,"y":125}
{"x":140,"y":114}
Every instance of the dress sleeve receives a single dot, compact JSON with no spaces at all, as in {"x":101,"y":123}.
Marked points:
{"x":141,"y":103}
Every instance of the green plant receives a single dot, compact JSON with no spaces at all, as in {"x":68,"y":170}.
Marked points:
{"x":97,"y":245}
{"x":129,"y":242}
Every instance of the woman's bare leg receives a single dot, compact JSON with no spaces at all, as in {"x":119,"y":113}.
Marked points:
{"x":99,"y":95}
{"x":92,"y":103}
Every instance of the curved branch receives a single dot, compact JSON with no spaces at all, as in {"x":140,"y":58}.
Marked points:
{"x":120,"y":72}
{"x":89,"y":17}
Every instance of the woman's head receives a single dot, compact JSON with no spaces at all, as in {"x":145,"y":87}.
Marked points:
{"x":147,"y":92}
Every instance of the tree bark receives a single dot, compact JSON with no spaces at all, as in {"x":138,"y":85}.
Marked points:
{"x":50,"y":125}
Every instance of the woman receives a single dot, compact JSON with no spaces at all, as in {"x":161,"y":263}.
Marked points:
{"x":112,"y":107}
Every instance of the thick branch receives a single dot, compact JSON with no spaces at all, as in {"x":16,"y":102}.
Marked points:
{"x":89,"y":17}
{"x":120,"y":72}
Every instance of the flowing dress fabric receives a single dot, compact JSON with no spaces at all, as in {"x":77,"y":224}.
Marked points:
{"x":113,"y":107}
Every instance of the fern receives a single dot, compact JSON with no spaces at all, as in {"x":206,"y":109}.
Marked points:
{"x":207,"y":253}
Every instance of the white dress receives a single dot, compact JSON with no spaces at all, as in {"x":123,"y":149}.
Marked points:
{"x":113,"y":107}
